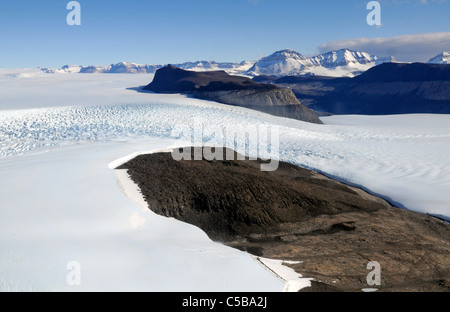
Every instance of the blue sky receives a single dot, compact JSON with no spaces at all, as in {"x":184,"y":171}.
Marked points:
{"x":35,"y":33}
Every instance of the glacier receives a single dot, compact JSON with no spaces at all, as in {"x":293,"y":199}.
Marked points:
{"x":60,"y":202}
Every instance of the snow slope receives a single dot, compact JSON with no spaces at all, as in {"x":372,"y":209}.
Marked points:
{"x":67,"y":206}
{"x":230,"y":68}
{"x":442,"y":58}
{"x":59,"y":201}
{"x":335,"y":64}
{"x":294,"y":282}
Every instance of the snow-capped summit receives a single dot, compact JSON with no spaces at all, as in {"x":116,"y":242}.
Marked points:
{"x":284,"y":55}
{"x":279,"y":63}
{"x":127,"y":67}
{"x":230,"y":68}
{"x":335,"y":63}
{"x":443,"y":58}
{"x":64,"y":69}
{"x":342,"y":58}
{"x":132,"y":68}
{"x":71,"y":68}
{"x":94,"y":69}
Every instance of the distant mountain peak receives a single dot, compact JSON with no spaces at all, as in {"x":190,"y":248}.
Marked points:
{"x":442,"y":58}
{"x":284,"y":54}
{"x":343,"y":62}
{"x":344,"y":57}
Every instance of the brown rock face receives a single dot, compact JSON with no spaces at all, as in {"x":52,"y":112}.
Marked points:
{"x":299,"y":215}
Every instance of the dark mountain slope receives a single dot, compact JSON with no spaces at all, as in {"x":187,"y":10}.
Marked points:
{"x":234,"y":90}
{"x":394,"y":72}
{"x":390,"y":88}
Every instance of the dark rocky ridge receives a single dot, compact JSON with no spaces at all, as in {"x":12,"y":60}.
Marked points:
{"x":390,"y":88}
{"x":299,"y":215}
{"x":234,"y":90}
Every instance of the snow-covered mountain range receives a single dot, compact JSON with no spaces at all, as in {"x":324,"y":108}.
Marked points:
{"x":442,"y":58}
{"x":335,"y":63}
{"x":230,"y":68}
{"x":340,"y":63}
{"x":133,"y":68}
{"x":119,"y":68}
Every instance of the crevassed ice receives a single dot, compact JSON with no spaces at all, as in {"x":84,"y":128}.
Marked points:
{"x":28,"y":130}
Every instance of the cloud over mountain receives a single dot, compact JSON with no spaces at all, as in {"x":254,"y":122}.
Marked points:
{"x":408,"y":48}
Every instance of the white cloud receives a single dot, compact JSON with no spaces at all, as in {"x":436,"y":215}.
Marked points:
{"x":430,"y":1}
{"x":408,"y":48}
{"x":413,"y":2}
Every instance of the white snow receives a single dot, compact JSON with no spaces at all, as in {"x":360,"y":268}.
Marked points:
{"x":133,"y":68}
{"x":60,"y":201}
{"x":342,"y":63}
{"x":294,"y":281}
{"x":65,"y":206}
{"x":442,"y":58}
{"x":368,"y":290}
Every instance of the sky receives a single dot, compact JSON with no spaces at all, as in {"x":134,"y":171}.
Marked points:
{"x":35,"y":33}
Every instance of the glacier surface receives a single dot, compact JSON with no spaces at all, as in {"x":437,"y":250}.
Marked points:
{"x":59,"y":201}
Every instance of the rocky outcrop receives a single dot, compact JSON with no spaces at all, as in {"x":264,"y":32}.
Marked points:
{"x":281,"y":102}
{"x":233,"y":90}
{"x":275,"y":97}
{"x":294,"y":214}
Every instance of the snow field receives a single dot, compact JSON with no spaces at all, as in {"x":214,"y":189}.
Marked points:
{"x":61,"y":202}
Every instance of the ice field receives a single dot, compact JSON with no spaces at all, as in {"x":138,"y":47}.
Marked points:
{"x":60,"y":201}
